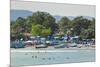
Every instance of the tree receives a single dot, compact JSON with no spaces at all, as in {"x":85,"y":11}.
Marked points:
{"x":63,"y":24}
{"x":36,"y":29}
{"x":46,"y":32}
{"x":39,"y":30}
{"x":29,"y":23}
{"x":12,"y":29}
{"x":87,"y":34}
{"x":84,"y":28}
{"x":44,"y":19}
{"x":20,"y":25}
{"x":91,"y":29}
{"x":80,"y":23}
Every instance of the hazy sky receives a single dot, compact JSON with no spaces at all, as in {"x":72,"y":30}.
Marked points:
{"x":55,"y":8}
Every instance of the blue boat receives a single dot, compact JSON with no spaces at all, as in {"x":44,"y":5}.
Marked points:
{"x":17,"y":44}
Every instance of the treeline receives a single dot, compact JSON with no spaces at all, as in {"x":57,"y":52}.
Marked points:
{"x":44,"y":24}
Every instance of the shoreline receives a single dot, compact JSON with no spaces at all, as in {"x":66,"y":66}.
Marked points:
{"x":51,"y":50}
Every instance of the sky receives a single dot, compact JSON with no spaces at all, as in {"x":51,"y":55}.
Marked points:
{"x":55,"y":8}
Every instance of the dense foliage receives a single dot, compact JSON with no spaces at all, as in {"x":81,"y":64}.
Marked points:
{"x":43,"y":24}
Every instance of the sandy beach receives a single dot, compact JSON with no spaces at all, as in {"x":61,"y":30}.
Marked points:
{"x":75,"y":49}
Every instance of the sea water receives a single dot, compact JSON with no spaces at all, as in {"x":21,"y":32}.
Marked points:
{"x":39,"y":58}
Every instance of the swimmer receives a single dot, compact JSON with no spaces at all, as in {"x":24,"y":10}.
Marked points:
{"x":43,"y":58}
{"x":67,"y":57}
{"x":32,"y":56}
{"x":35,"y":56}
{"x":49,"y":58}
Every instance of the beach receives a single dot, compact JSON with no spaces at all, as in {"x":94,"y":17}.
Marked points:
{"x":50,"y":49}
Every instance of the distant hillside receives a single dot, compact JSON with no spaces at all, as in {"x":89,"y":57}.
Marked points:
{"x":24,"y":13}
{"x":19,"y":13}
{"x":57,"y":17}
